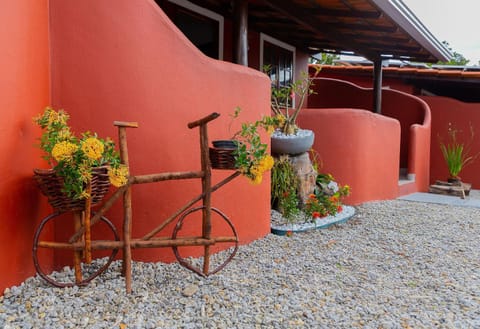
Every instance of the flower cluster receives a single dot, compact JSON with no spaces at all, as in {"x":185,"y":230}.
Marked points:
{"x":73,"y":158}
{"x":251,"y":156}
{"x":326,"y":199}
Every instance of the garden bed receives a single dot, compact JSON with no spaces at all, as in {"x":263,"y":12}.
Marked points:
{"x":280,"y":226}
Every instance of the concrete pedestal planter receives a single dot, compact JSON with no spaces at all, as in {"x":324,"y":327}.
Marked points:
{"x":298,"y":143}
{"x":280,"y":227}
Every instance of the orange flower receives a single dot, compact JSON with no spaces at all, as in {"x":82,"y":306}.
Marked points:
{"x":289,"y":233}
{"x":315,"y":214}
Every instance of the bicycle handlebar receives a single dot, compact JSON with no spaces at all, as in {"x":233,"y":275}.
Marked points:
{"x":125,"y":124}
{"x":204,"y":120}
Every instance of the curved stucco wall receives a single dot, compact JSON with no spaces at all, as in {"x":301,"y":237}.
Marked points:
{"x":124,"y":60}
{"x":358,"y":148}
{"x":412,"y":113}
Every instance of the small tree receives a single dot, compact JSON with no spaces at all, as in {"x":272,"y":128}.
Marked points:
{"x":457,"y":59}
{"x":324,"y":58}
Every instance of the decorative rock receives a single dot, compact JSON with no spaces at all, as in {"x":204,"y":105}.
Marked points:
{"x":190,"y":290}
{"x":306,"y":175}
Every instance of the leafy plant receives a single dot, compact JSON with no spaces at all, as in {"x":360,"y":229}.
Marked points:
{"x":284,"y":188}
{"x":327,"y":197}
{"x":73,"y":158}
{"x":328,"y":194}
{"x":457,"y":155}
{"x":283,"y":98}
{"x":251,"y":156}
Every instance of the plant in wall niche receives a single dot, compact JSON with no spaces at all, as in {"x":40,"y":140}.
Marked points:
{"x":283,"y":98}
{"x":284,"y":188}
{"x":457,"y":155}
{"x":74,"y":158}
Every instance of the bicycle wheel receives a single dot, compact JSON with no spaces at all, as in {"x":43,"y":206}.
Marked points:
{"x":51,"y":247}
{"x":216,"y":252}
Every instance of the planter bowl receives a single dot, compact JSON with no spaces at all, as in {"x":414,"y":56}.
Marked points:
{"x":301,"y":142}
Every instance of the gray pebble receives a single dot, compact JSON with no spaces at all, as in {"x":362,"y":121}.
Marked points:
{"x":395,"y":264}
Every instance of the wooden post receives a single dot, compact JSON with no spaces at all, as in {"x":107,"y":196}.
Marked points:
{"x":240,"y":32}
{"x":377,"y":85}
{"x":127,"y":208}
{"x":87,"y":224}
{"x":207,"y":191}
{"x":77,"y":255}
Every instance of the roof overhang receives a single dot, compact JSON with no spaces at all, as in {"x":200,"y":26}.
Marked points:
{"x":407,"y":20}
{"x":369,"y":28}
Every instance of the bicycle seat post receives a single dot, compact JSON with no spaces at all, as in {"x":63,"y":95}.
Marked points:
{"x":127,"y":205}
{"x":206,"y":183}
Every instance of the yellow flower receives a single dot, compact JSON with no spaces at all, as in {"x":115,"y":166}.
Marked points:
{"x":270,"y":130}
{"x":281,"y":119}
{"x":256,"y":180}
{"x":54,"y":117}
{"x":84,"y":195}
{"x":63,"y":151}
{"x":85,"y":171}
{"x":118,"y":176}
{"x":64,"y":134}
{"x":266,"y":163}
{"x":93,"y":148}
{"x":256,"y":170}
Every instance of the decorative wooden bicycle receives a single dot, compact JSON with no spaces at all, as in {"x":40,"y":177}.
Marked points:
{"x":84,"y":240}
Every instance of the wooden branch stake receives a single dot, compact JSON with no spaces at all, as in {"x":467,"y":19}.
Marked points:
{"x":77,"y":255}
{"x":87,"y":225}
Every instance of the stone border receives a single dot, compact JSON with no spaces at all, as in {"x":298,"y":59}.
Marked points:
{"x":320,"y":223}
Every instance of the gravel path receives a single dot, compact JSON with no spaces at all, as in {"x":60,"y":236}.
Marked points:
{"x":396,"y":264}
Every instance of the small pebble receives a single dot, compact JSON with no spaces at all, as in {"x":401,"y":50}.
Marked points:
{"x":395,"y":264}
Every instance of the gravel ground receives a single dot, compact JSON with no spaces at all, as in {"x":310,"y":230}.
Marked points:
{"x":395,"y":264}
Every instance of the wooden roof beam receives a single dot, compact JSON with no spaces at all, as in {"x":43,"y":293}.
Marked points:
{"x":304,"y":19}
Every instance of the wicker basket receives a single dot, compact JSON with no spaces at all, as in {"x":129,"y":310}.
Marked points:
{"x":222,"y":158}
{"x":51,"y":186}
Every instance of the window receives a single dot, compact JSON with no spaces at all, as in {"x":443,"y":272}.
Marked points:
{"x":201,"y":26}
{"x":280,"y":57}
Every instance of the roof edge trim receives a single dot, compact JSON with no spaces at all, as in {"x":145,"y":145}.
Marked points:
{"x":407,"y":20}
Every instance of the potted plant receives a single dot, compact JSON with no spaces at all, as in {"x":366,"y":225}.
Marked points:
{"x":457,"y":155}
{"x":286,"y":104}
{"x":82,"y":167}
{"x":245,"y":151}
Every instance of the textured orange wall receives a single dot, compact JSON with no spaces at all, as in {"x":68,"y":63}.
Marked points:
{"x":444,"y":111}
{"x":24,"y":91}
{"x":124,"y":60}
{"x":358,"y":148}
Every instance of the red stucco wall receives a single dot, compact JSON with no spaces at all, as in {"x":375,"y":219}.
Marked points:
{"x":444,"y":110}
{"x":364,"y":78}
{"x":358,"y":148}
{"x":461,"y":115}
{"x":124,"y":60}
{"x":412,"y":113}
{"x":24,"y":90}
